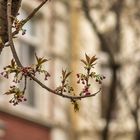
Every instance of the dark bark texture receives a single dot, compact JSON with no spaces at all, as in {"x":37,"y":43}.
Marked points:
{"x":3,"y":19}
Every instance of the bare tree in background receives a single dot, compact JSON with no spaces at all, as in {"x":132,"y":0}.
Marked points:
{"x":125,"y":13}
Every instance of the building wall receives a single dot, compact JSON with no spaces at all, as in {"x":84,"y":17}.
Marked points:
{"x":16,"y":128}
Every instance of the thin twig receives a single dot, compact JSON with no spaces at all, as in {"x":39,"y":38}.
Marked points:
{"x":34,"y":12}
{"x":25,"y":84}
{"x":63,"y":95}
{"x":31,"y":15}
{"x":94,"y":27}
{"x":10,"y":37}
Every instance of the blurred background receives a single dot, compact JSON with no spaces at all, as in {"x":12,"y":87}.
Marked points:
{"x":64,"y":31}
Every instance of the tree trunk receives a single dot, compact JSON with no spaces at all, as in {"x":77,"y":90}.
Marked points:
{"x":3,"y":19}
{"x":111,"y":104}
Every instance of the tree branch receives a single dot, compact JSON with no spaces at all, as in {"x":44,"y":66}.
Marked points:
{"x":11,"y":44}
{"x":103,"y":42}
{"x":3,"y":19}
{"x":62,"y":95}
{"x":9,"y":5}
{"x":31,"y":15}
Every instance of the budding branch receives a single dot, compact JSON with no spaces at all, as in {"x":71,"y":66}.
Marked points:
{"x":88,"y":63}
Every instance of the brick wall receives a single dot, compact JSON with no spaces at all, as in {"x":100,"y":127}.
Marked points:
{"x":20,"y":129}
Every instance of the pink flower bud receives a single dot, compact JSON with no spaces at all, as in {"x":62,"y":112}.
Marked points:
{"x":25,"y":99}
{"x":78,"y":75}
{"x":87,"y":93}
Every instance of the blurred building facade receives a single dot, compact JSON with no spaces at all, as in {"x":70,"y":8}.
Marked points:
{"x":61,"y":32}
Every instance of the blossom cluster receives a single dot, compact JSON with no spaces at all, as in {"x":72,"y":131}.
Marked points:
{"x":18,"y":95}
{"x":63,"y":89}
{"x":20,"y":73}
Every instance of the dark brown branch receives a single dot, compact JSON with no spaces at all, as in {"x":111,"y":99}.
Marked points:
{"x":3,"y":19}
{"x":25,"y":84}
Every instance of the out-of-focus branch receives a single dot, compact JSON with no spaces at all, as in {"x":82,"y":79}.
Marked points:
{"x":133,"y":110}
{"x":31,"y":15}
{"x":94,"y":27}
{"x":124,"y":94}
{"x":105,"y":45}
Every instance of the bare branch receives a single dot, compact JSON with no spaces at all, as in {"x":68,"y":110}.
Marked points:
{"x":31,"y":15}
{"x":9,"y":5}
{"x":103,"y":42}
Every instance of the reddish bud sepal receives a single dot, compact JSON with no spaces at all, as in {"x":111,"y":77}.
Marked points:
{"x":18,"y":96}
